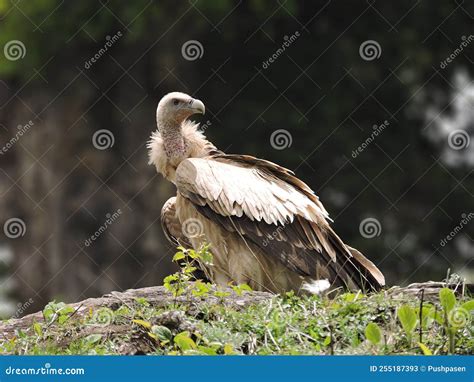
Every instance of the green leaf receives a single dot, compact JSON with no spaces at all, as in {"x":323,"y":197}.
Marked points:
{"x":351,"y":297}
{"x":142,"y":301}
{"x":207,"y":350}
{"x":49,"y":310}
{"x":373,"y":333}
{"x":92,"y":339}
{"x":201,"y":288}
{"x":228,"y":349}
{"x":327,"y":341}
{"x":38,"y":329}
{"x":184,"y":341}
{"x":447,"y":299}
{"x":193,"y":254}
{"x":62,"y":319}
{"x":22,"y":334}
{"x":468,"y":306}
{"x":189,"y":269}
{"x":171,"y":278}
{"x":143,"y":323}
{"x":427,"y":315}
{"x":162,"y":332}
{"x":241,"y":288}
{"x":206,"y":257}
{"x":424,"y":349}
{"x":437,"y":316}
{"x":178,"y":256}
{"x":221,"y":293}
{"x":408,"y":319}
{"x":66,"y":309}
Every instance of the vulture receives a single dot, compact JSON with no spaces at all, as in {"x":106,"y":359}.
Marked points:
{"x":264,"y":226}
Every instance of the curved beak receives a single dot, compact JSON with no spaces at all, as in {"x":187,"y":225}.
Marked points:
{"x":197,"y":106}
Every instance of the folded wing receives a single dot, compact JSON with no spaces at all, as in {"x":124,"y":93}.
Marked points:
{"x":268,"y":206}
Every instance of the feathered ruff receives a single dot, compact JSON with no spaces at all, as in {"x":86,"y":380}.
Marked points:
{"x":196,"y":143}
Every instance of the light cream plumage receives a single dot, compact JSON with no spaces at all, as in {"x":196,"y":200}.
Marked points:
{"x":265,"y":227}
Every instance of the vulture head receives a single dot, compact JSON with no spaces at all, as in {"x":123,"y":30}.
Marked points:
{"x":175,"y":107}
{"x":177,"y":138}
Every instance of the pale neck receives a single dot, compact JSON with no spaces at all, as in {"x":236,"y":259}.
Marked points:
{"x":173,"y":140}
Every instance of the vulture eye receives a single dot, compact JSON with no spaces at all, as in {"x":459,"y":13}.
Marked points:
{"x":175,"y":102}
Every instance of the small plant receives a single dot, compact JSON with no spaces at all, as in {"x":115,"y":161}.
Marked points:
{"x":189,"y":262}
{"x":240,"y":289}
{"x":373,"y":333}
{"x":407,"y":316}
{"x":184,"y":341}
{"x":57,"y":311}
{"x":454,"y":316}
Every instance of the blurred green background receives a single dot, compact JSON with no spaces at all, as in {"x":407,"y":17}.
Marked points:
{"x":337,"y":69}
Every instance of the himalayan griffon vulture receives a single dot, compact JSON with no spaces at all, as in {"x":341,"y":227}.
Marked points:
{"x":265,"y":227}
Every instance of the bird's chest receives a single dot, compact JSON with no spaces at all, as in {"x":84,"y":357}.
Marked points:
{"x":174,"y":156}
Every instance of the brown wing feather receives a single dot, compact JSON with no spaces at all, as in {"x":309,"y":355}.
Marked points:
{"x":171,"y":225}
{"x":280,"y":214}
